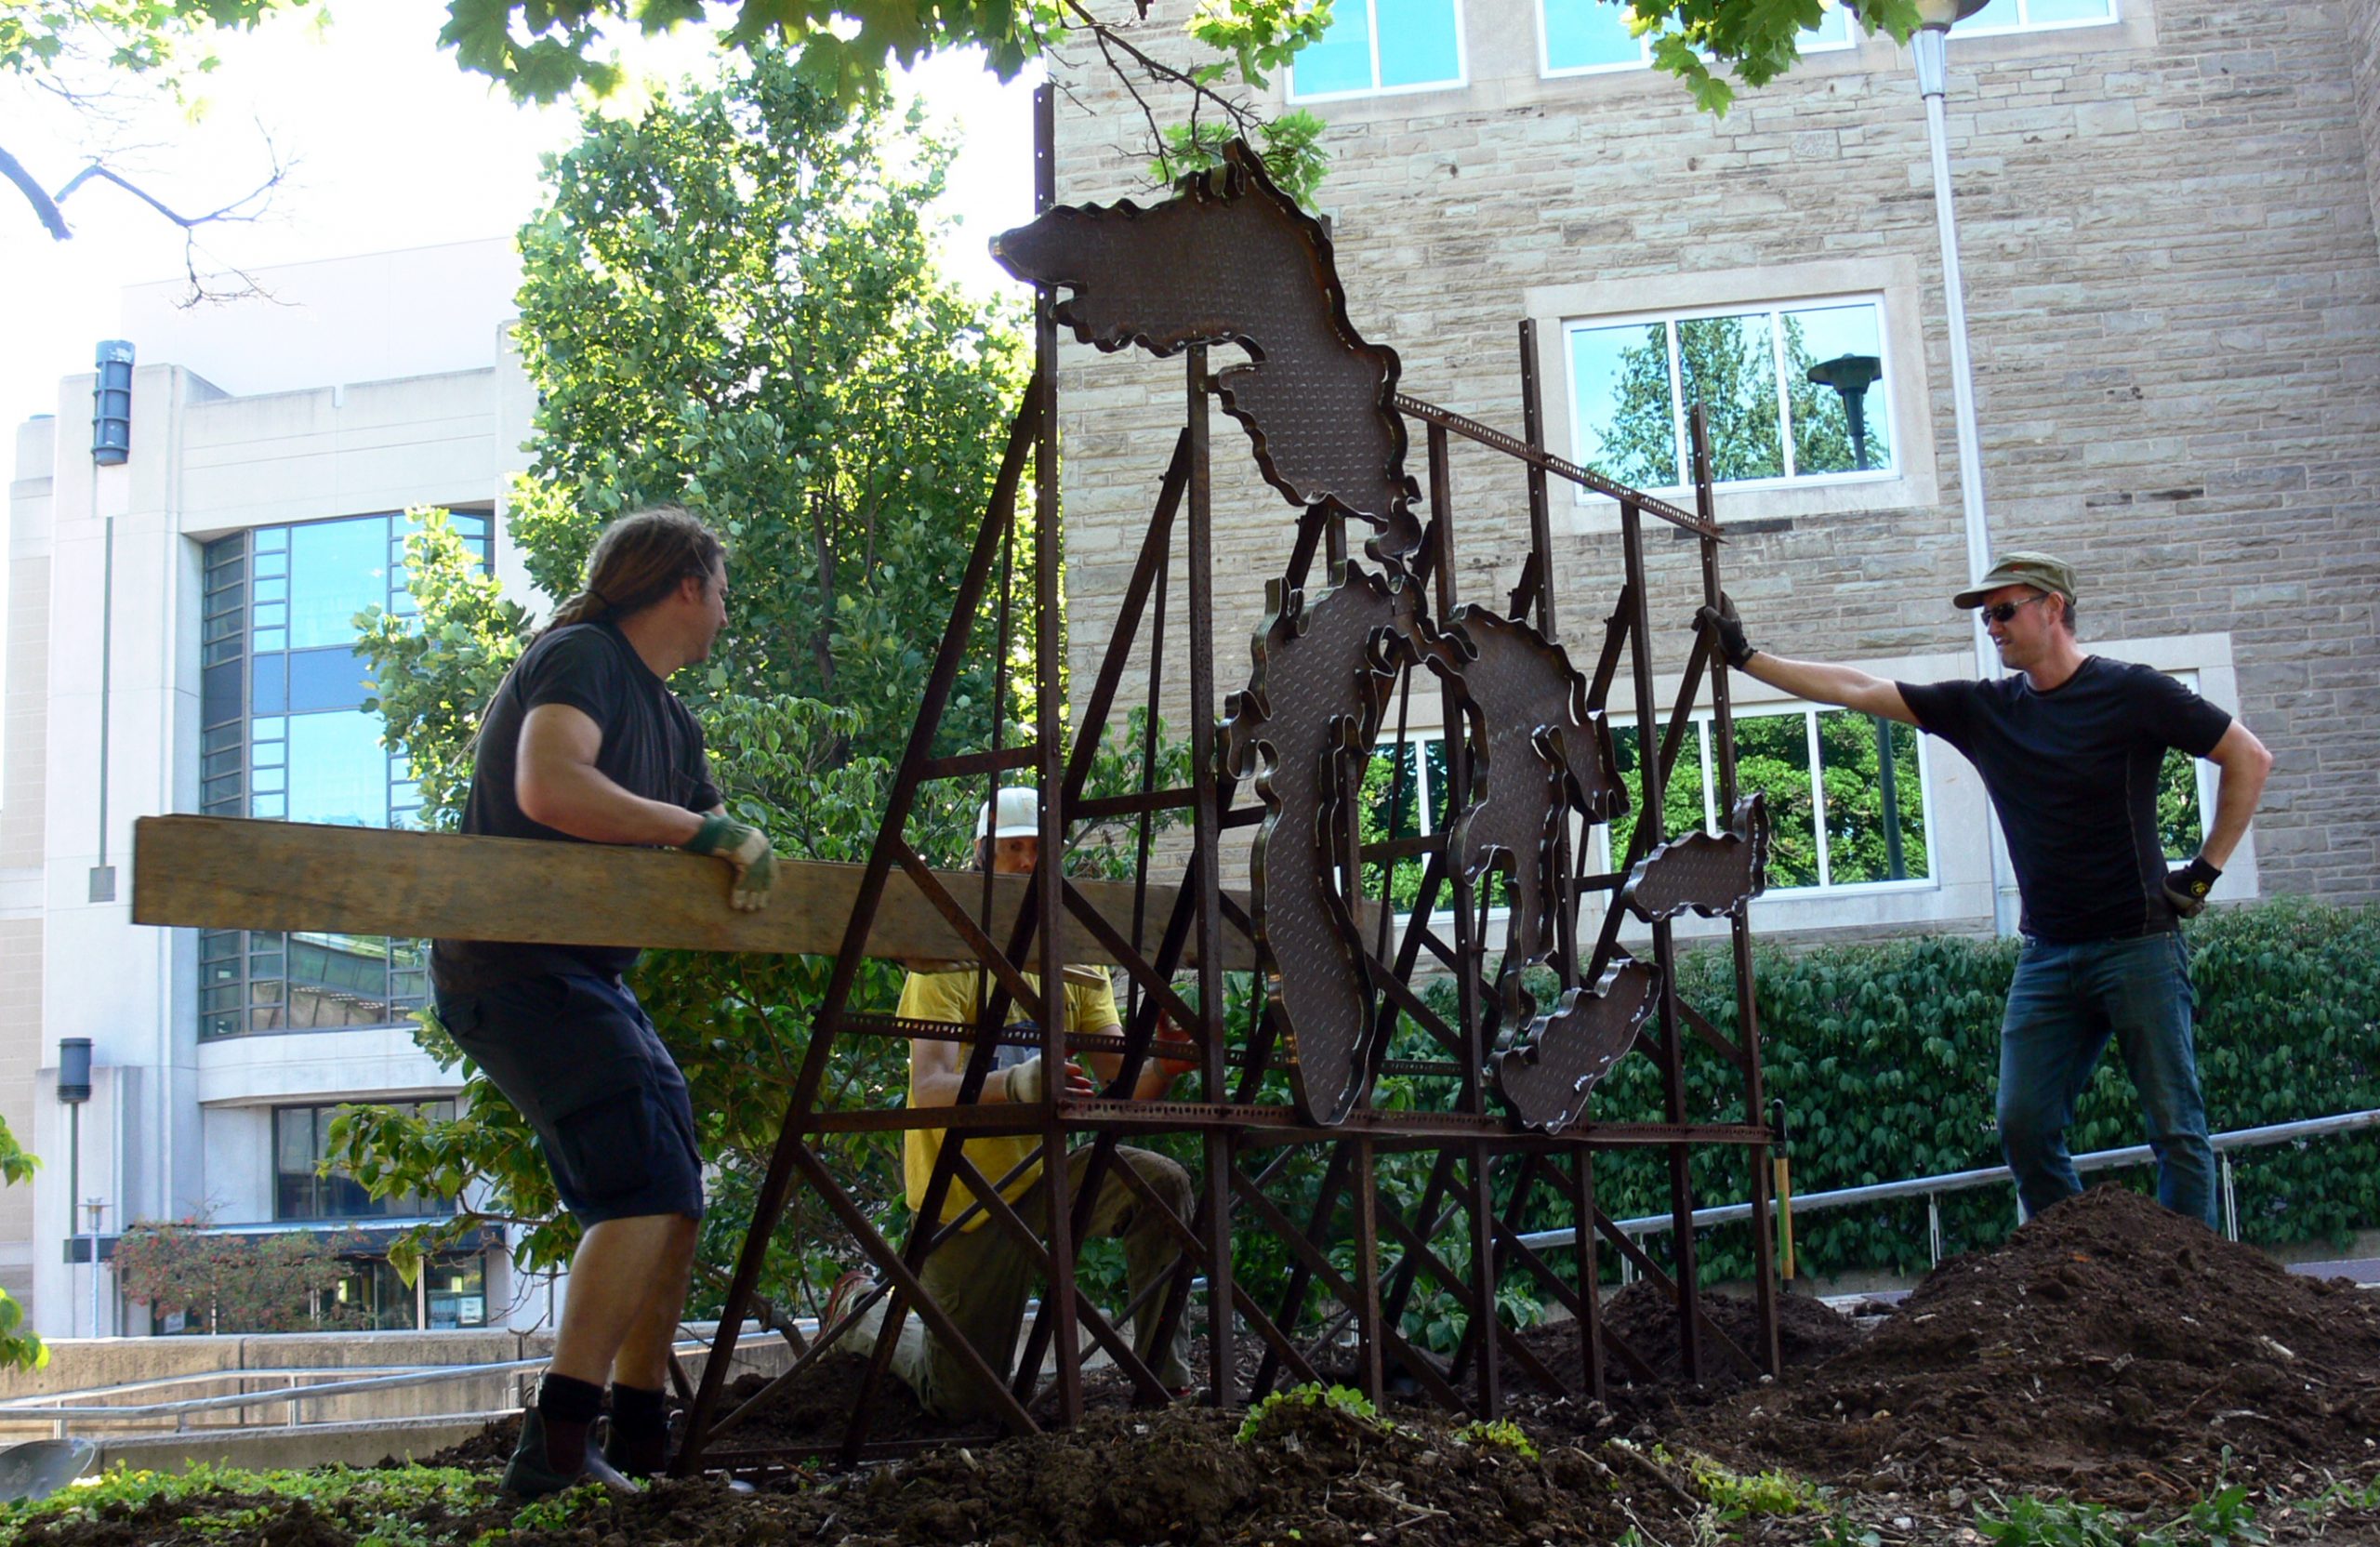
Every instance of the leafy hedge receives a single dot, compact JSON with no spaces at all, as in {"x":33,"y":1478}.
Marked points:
{"x":1887,"y":1055}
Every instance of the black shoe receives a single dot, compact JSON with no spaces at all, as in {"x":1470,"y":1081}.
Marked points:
{"x":529,"y":1475}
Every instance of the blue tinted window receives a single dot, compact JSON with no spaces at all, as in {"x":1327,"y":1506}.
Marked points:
{"x":338,"y":770}
{"x":1417,"y":46}
{"x":1588,"y":35}
{"x":331,"y":679}
{"x":1342,"y":59}
{"x":338,"y":568}
{"x":271,"y":689}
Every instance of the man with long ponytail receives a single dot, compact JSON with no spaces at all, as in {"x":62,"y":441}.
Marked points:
{"x":585,"y":742}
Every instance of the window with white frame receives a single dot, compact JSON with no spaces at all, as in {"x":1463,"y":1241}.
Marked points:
{"x":1796,"y":391}
{"x":1863,"y":821}
{"x":1382,"y":46}
{"x":1588,"y":38}
{"x":2026,"y":16}
{"x":1847,"y":799}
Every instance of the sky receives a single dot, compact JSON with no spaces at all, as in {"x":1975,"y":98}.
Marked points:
{"x":391,"y":146}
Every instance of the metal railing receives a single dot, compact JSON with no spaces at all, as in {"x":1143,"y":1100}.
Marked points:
{"x":1931,"y":1188}
{"x":66,"y":1411}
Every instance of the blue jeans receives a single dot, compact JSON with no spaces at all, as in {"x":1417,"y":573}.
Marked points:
{"x":2065,"y":1002}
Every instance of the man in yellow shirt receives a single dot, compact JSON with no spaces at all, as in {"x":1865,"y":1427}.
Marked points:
{"x":982,"y":1277}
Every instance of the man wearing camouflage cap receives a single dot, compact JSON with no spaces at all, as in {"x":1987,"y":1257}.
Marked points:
{"x":2070,"y":746}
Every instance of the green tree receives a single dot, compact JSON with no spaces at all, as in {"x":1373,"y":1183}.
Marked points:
{"x":19,"y":1349}
{"x":284,"y":1282}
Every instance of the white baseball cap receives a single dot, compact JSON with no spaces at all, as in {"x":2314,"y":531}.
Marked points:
{"x":1020,"y":815}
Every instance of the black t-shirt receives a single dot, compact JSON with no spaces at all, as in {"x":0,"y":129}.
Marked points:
{"x":653,"y":747}
{"x":2073,"y":775}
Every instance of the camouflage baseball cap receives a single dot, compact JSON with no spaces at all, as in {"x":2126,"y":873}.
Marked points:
{"x":2015,"y":568}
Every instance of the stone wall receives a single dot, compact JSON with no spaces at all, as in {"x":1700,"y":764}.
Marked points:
{"x":2363,"y":58}
{"x":2173,"y":292}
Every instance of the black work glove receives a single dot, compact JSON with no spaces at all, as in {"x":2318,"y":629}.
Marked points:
{"x":2187,"y":887}
{"x":1721,"y":621}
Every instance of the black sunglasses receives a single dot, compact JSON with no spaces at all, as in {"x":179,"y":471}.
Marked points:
{"x":2001,"y":612}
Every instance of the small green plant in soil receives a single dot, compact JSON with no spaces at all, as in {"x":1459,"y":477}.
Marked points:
{"x":1344,"y":1399}
{"x":1737,"y":1496}
{"x":1503,"y":1434}
{"x":380,"y":1507}
{"x":2223,"y":1518}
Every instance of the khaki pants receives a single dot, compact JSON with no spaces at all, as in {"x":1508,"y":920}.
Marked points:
{"x":982,"y":1278}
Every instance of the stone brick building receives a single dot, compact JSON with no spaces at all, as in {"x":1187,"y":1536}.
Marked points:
{"x":2167,"y":209}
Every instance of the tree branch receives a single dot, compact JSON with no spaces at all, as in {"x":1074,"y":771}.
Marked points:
{"x":52,"y":217}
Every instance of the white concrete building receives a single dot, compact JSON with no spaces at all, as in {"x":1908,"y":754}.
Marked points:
{"x":180,"y":631}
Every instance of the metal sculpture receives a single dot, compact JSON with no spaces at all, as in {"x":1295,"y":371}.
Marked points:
{"x":1304,"y":728}
{"x":1716,"y":877}
{"x":1232,"y":259}
{"x":1548,"y":1071}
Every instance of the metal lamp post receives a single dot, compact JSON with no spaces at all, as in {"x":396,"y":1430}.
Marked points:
{"x":73,"y":1090}
{"x":1930,"y":49}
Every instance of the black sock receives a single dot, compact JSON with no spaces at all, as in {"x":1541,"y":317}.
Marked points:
{"x":640,"y":1445}
{"x":568,"y":1408}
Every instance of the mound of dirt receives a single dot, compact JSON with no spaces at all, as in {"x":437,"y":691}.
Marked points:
{"x":2109,"y":1348}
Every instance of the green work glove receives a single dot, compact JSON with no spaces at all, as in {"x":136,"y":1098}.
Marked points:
{"x":746,"y":848}
{"x":2186,"y":888}
{"x":1722,"y":620}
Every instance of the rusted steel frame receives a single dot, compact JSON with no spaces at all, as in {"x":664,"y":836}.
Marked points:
{"x":1538,"y":576}
{"x":1649,"y":831}
{"x":906,"y":1287}
{"x":1714,"y":1037}
{"x":1004,"y":1214}
{"x":1410,"y":847}
{"x":960,"y":765}
{"x":1091,"y":807}
{"x":1722,"y":726}
{"x":1441,"y":418}
{"x":1660,"y":1280}
{"x":1470,"y":947}
{"x":1311,"y":523}
{"x":1417,"y":1247}
{"x":962,"y":923}
{"x":1144,"y":826}
{"x":1522,"y":1186}
{"x":1345,"y":1293}
{"x":1145,"y":977}
{"x":827,"y":1338}
{"x":1292,"y":1301}
{"x":1278,"y":1340}
{"x":1155,"y":542}
{"x":1206,"y":835}
{"x":1400,"y":996}
{"x":769,"y":1206}
{"x":1582,"y":1247}
{"x":861,"y":1024}
{"x":1049,"y":694}
{"x":1395,"y":1132}
{"x":1371,"y":1330}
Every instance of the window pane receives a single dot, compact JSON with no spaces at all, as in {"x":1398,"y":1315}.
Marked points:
{"x":1773,"y":754}
{"x":1834,"y":30}
{"x":1581,"y":34}
{"x":1619,"y":385}
{"x":1439,"y":779}
{"x":459,"y":1292}
{"x":1845,"y":343}
{"x":2179,"y":826}
{"x":338,"y":770}
{"x":1726,"y":364}
{"x":1393,"y":809}
{"x":338,"y":568}
{"x":1417,"y":41}
{"x":1875,"y":807}
{"x":271,"y":684}
{"x":293,"y":1164}
{"x":1342,"y":58}
{"x":331,"y":679}
{"x":2051,"y":13}
{"x":1681,"y":798}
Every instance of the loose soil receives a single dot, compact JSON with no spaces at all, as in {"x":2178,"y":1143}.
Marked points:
{"x":2110,"y":1351}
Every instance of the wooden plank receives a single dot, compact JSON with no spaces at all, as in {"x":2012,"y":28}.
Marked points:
{"x":214,"y":872}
